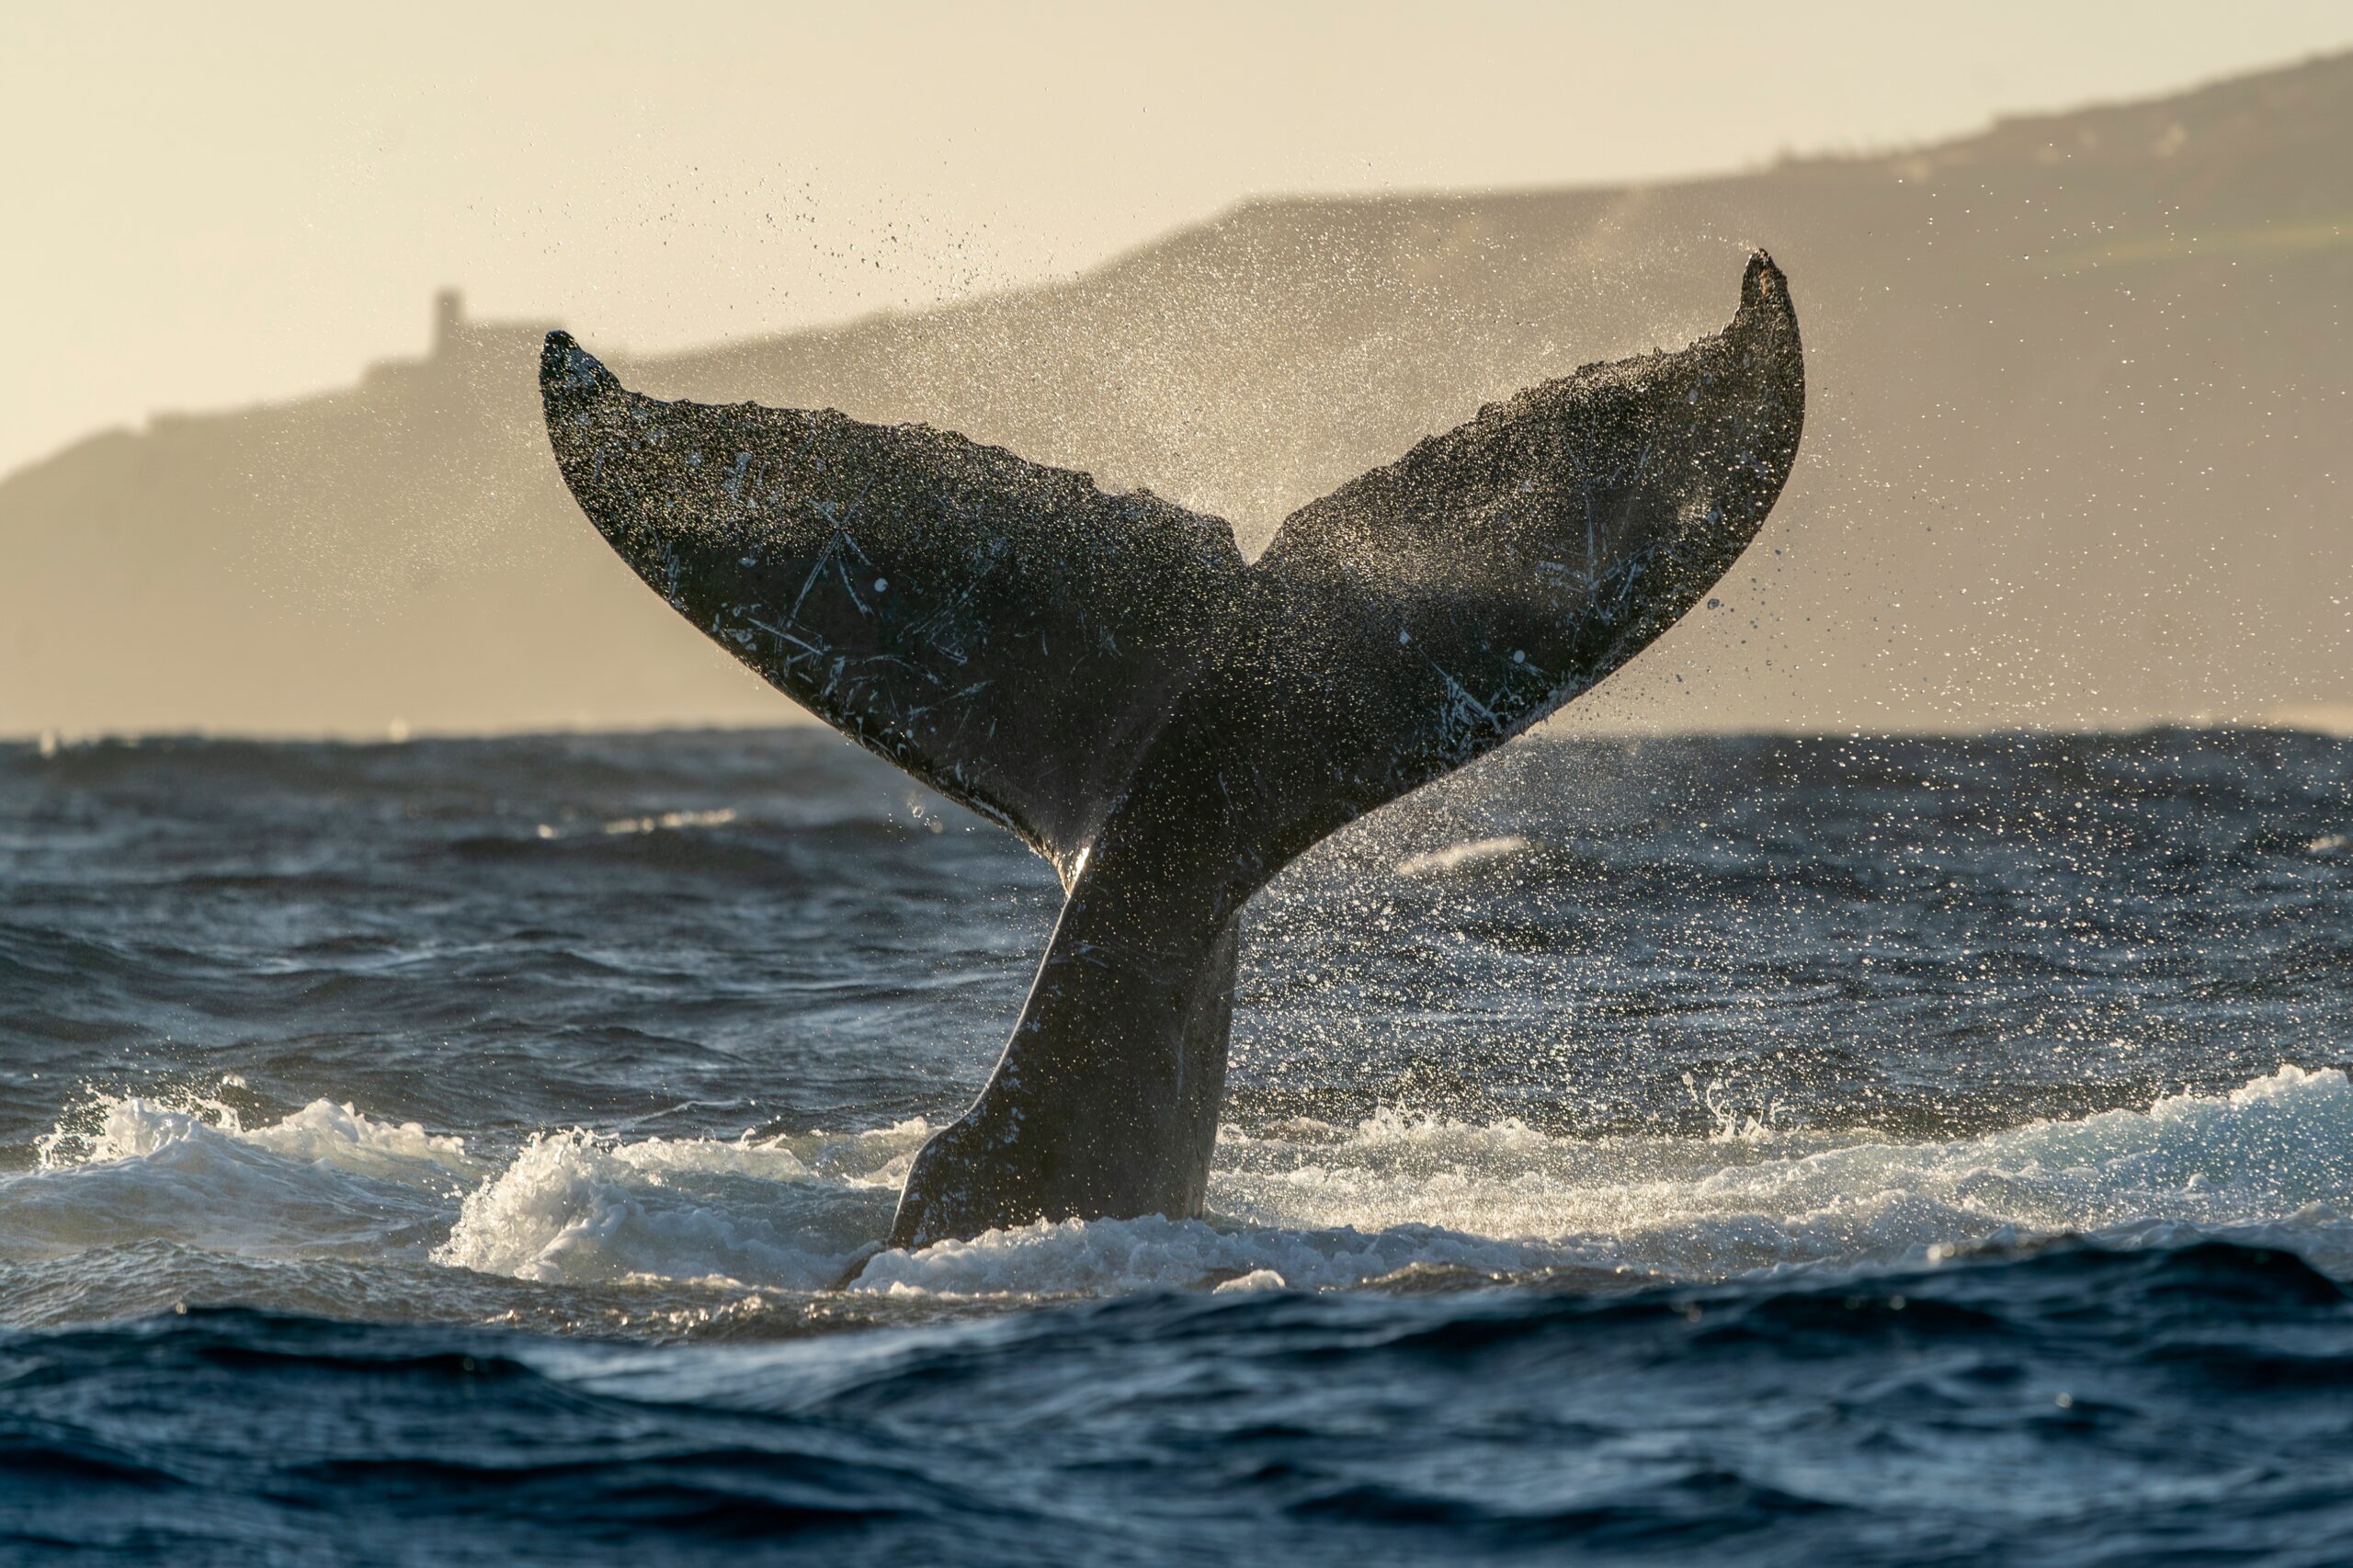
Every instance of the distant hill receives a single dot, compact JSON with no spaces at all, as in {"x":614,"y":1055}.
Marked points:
{"x":2079,"y":450}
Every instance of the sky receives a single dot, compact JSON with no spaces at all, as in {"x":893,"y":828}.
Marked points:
{"x":210,"y":206}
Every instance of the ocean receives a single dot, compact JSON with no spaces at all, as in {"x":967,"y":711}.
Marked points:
{"x":1745,"y":1150}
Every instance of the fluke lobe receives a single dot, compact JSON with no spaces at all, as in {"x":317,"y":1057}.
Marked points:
{"x":1164,"y":721}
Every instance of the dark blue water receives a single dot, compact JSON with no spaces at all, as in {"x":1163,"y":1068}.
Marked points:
{"x":1765,"y":1150}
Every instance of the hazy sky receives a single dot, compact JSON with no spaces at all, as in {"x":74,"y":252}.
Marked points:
{"x":207,"y":205}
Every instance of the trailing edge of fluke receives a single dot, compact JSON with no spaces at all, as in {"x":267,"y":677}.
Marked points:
{"x":1166,"y":723}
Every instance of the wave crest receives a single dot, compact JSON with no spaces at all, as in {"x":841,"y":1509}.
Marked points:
{"x":1301,"y":1204}
{"x":575,"y":1207}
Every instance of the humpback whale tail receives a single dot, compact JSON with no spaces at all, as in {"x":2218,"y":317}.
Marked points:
{"x":1166,"y":724}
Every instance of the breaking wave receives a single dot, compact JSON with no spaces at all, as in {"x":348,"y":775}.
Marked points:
{"x":1305,"y":1205}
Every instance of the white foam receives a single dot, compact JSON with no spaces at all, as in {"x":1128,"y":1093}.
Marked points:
{"x":660,"y":822}
{"x":325,"y":1180}
{"x":670,"y":822}
{"x":1456,"y":856}
{"x":1257,"y":1279}
{"x":576,"y":1207}
{"x":1324,"y":1206}
{"x":322,"y":1132}
{"x":1115,"y":1257}
{"x":1303,"y":1205}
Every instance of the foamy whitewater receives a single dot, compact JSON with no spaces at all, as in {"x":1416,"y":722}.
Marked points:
{"x":1873,"y":1151}
{"x":1306,"y":1204}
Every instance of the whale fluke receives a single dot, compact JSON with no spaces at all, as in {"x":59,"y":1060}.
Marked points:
{"x":1165,"y":723}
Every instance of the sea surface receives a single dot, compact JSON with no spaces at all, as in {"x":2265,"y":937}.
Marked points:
{"x":1739,"y":1151}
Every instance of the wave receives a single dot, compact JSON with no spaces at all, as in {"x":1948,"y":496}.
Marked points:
{"x":1458,"y":857}
{"x":1322,"y":1207}
{"x":1304,"y":1205}
{"x":326,"y":1181}
{"x":575,"y":1209}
